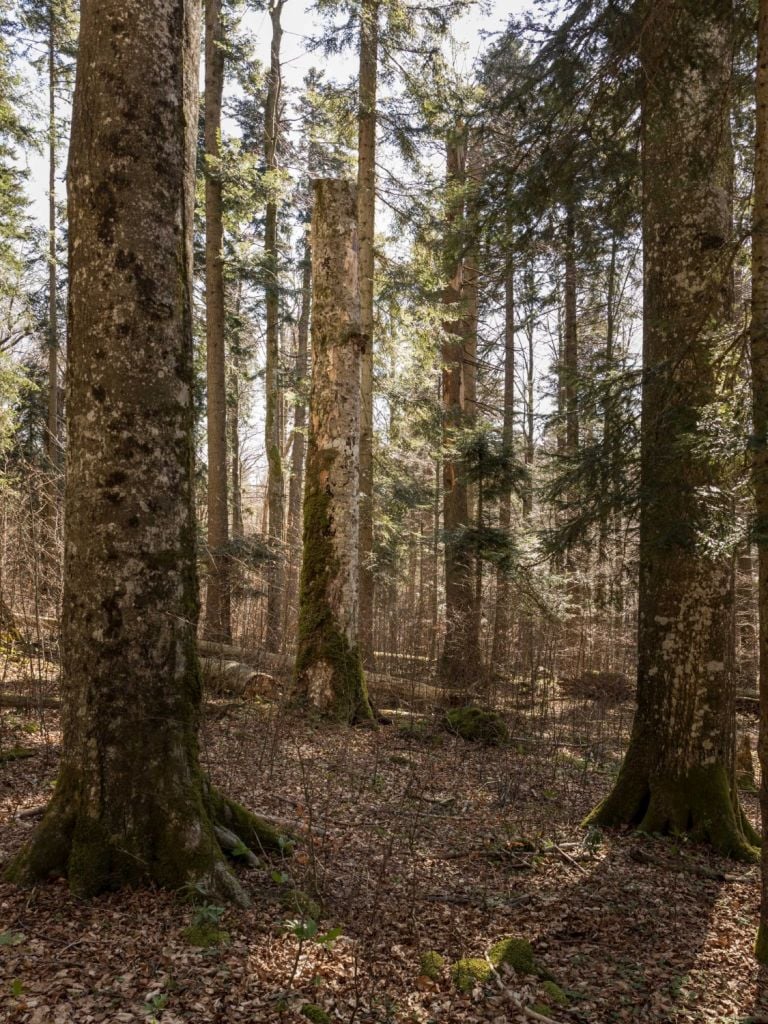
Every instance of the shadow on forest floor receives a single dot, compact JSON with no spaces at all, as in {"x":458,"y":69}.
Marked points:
{"x":414,"y":841}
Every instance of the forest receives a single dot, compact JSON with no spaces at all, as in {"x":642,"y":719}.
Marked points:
{"x":383,"y":511}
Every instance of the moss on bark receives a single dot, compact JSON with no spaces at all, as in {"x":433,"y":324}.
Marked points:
{"x":323,"y":649}
{"x":700,"y":804}
{"x":182,"y":854}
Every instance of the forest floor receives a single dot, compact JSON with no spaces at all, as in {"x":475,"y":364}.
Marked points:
{"x":412,"y":841}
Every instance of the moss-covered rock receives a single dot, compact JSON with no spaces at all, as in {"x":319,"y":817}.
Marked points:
{"x":516,"y":953}
{"x":205,"y":935}
{"x":477,"y":725}
{"x":431,"y":964}
{"x":467,"y":974}
{"x":315,"y":1013}
{"x":554,"y":994}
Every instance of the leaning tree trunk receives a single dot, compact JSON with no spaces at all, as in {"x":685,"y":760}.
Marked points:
{"x":329,"y":672}
{"x":759,"y":352}
{"x":366,"y":215}
{"x":217,"y":603}
{"x":275,"y":481}
{"x":460,"y":660}
{"x":131,"y":804}
{"x":678,"y":774}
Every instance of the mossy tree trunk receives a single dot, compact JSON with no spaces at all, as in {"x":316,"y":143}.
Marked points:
{"x":131,"y":805}
{"x":366,"y":219}
{"x":678,"y":774}
{"x":460,"y":660}
{"x":275,"y":478}
{"x":329,"y":673}
{"x":217,"y":604}
{"x":759,"y":353}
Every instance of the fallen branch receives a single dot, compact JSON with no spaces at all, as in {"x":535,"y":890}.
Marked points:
{"x":571,"y":860}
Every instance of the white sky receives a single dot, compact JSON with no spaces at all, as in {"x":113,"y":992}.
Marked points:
{"x":298,"y":24}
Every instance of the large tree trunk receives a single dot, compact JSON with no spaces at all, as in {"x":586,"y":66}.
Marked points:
{"x":678,"y":774}
{"x":759,"y":350}
{"x":131,"y":805}
{"x":460,"y":660}
{"x":329,"y":673}
{"x":366,"y":216}
{"x":217,"y":604}
{"x":275,"y":483}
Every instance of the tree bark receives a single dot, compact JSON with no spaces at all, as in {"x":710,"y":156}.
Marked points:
{"x":275,"y":482}
{"x":759,"y":445}
{"x":460,"y":659}
{"x":53,"y":436}
{"x":571,"y":340}
{"x":366,"y":217}
{"x":299,"y":449}
{"x":329,"y":673}
{"x":678,"y":774}
{"x":501,"y":622}
{"x":217,"y":604}
{"x":131,"y":805}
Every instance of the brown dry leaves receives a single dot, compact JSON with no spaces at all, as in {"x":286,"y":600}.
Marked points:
{"x":422,"y":844}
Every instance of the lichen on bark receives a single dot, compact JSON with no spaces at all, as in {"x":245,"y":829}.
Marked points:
{"x":131,"y":805}
{"x":329,"y":673}
{"x":678,"y":774}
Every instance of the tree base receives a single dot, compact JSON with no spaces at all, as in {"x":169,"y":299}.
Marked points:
{"x":180,"y":854}
{"x":700,"y":805}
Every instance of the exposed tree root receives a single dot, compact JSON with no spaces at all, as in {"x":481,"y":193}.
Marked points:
{"x":188,"y":851}
{"x":701,"y":805}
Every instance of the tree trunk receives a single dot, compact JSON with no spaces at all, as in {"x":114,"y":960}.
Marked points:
{"x":759,"y":445}
{"x":131,"y":805}
{"x":530,"y":379}
{"x":366,"y":216}
{"x":329,"y":673}
{"x":299,"y":449}
{"x":53,"y":438}
{"x":678,"y":774}
{"x":501,"y":622}
{"x":275,"y":481}
{"x":460,"y":660}
{"x":233,"y":411}
{"x":217,"y":604}
{"x":571,"y":340}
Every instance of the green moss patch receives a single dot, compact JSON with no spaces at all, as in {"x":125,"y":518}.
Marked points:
{"x":469,"y":973}
{"x":205,"y":936}
{"x":554,"y":994}
{"x":477,"y":726}
{"x":431,"y":965}
{"x":516,"y":953}
{"x":315,"y":1013}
